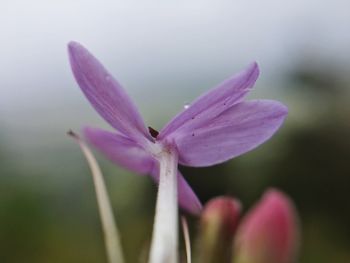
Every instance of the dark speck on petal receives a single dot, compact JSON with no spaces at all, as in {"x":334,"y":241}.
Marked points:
{"x":154,"y":133}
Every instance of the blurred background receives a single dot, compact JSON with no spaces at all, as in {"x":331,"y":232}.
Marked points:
{"x":166,"y":53}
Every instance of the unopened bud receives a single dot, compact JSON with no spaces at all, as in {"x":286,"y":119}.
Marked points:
{"x":218,"y":224}
{"x":269,"y":232}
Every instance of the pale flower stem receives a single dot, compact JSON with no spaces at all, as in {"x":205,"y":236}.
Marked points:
{"x":164,"y":246}
{"x":186,"y":238}
{"x":111,"y":233}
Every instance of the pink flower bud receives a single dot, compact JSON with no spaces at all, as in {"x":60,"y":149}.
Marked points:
{"x":223,"y":213}
{"x":269,"y":232}
{"x":217,"y":227}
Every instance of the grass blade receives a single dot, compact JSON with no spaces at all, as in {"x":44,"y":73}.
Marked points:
{"x":111,"y":233}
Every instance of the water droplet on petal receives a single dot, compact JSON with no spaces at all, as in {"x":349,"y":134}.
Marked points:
{"x":186,"y":106}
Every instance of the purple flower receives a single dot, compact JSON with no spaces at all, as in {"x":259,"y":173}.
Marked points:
{"x":216,"y":127}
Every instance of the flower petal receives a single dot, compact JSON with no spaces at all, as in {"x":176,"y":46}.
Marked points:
{"x":237,"y":130}
{"x":211,"y":104}
{"x":105,"y":94}
{"x":187,"y":198}
{"x":120,"y":150}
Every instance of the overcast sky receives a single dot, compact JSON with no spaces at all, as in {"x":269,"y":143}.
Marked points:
{"x":156,"y":47}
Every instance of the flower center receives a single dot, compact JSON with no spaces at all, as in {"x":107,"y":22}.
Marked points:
{"x":157,"y":147}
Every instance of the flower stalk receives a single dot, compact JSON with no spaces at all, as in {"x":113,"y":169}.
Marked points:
{"x":186,"y":234}
{"x":164,"y":244}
